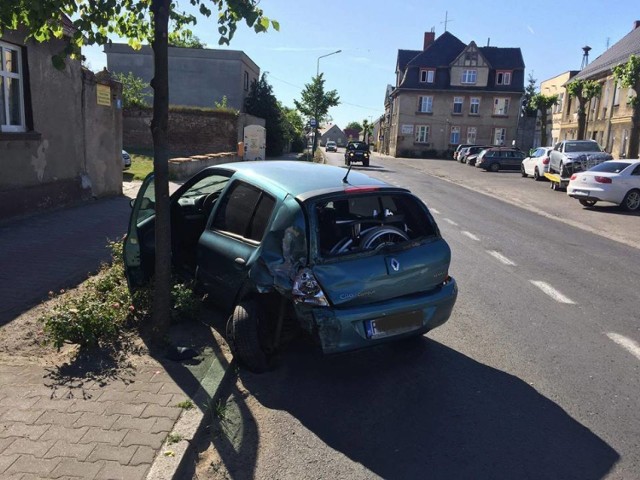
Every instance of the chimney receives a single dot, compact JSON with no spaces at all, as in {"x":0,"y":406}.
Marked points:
{"x":429,"y":38}
{"x":636,"y":24}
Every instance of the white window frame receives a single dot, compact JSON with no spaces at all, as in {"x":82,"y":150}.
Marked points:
{"x":501,"y":106}
{"x":427,"y":75}
{"x":499,"y":136}
{"x":472,"y":134}
{"x":425,"y":104}
{"x":4,"y":47}
{"x":503,"y":77}
{"x":458,"y":101}
{"x":469,"y":76}
{"x":474,"y":102}
{"x":454,"y":135}
{"x":422,"y":133}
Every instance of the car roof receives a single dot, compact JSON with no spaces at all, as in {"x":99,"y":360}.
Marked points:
{"x":299,"y":178}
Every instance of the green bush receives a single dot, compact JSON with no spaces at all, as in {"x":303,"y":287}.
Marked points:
{"x":99,"y":313}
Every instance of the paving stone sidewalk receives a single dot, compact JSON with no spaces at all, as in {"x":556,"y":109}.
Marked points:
{"x":116,"y":426}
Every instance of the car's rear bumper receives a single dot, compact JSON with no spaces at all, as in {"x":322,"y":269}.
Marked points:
{"x":597,"y":194}
{"x":343,"y":329}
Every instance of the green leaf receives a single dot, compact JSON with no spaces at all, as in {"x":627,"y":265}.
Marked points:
{"x":276,"y":25}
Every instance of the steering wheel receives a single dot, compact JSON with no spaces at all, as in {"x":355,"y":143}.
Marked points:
{"x":209,"y":201}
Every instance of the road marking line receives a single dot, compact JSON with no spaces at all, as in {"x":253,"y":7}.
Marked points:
{"x":448,"y":220}
{"x":625,"y":343}
{"x":435,"y":211}
{"x":501,"y":257}
{"x":552,"y":292}
{"x":470,"y":235}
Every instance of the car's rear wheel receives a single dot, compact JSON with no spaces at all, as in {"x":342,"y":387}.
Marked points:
{"x":494,"y":167}
{"x":587,"y":203}
{"x":247,"y":337}
{"x":631,"y":201}
{"x":536,"y":175}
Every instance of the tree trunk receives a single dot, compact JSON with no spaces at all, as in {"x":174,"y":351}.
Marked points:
{"x":582,"y":119}
{"x":159,"y":131}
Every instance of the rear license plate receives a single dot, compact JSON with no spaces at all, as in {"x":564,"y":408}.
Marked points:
{"x":393,"y":324}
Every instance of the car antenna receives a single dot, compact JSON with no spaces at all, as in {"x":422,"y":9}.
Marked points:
{"x":344,"y":180}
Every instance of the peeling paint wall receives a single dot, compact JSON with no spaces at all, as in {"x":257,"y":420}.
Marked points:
{"x":64,"y":156}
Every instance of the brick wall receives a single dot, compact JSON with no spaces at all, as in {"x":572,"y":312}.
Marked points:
{"x":191,"y":131}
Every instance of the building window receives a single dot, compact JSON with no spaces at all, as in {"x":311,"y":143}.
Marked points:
{"x":454,"y":138}
{"x":558,"y":105}
{"x":503,"y":78}
{"x":11,"y":89}
{"x":499,"y":136}
{"x":471,"y":134}
{"x":422,"y":133}
{"x":474,"y":108}
{"x":501,"y":106}
{"x":425,"y":105}
{"x":616,"y":95}
{"x":457,"y":104}
{"x":427,"y":75}
{"x":469,"y":76}
{"x":246,"y":81}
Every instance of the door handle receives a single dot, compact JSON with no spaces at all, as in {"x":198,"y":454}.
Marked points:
{"x":240,"y":261}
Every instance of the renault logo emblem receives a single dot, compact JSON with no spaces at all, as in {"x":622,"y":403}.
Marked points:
{"x":395,"y":264}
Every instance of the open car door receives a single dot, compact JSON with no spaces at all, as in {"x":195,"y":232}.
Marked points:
{"x":138,"y":266}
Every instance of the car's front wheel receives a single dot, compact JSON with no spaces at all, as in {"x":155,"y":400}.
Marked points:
{"x":247,"y":337}
{"x":631,"y":201}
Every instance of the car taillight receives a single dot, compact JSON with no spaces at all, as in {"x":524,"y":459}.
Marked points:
{"x":545,"y":161}
{"x":360,"y":189}
{"x":573,"y":177}
{"x":602,"y":179}
{"x":306,"y":289}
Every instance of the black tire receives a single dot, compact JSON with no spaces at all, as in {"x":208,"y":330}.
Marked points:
{"x":244,"y":335}
{"x":522,"y":172}
{"x":494,"y":167}
{"x":365,"y":163}
{"x":380,"y":236}
{"x":346,"y":162}
{"x":536,"y":175}
{"x":631,"y":201}
{"x":587,"y":203}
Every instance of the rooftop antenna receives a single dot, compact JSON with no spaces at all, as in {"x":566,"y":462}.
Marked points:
{"x":344,"y":180}
{"x":585,"y":57}
{"x":446,"y":20}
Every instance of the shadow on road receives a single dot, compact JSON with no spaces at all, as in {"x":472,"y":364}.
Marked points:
{"x":421,"y":409}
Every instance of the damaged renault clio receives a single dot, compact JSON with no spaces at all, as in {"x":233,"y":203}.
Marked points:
{"x":348,"y":259}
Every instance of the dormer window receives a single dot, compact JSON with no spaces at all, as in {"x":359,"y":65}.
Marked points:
{"x":503,"y":77}
{"x":469,"y":76}
{"x":427,"y":75}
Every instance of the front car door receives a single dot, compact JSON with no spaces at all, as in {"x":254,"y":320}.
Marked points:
{"x":191,"y":205}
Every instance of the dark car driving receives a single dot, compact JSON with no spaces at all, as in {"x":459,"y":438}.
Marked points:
{"x":285,"y":246}
{"x":357,"y":152}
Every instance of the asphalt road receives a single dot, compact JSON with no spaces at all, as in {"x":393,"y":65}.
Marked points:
{"x":536,"y":375}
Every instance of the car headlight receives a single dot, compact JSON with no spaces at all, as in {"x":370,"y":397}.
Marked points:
{"x":351,"y":154}
{"x":366,"y":154}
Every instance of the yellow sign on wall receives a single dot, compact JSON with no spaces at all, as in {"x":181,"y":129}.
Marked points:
{"x":104,"y":94}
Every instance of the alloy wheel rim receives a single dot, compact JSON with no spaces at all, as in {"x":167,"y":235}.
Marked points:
{"x":633,"y":201}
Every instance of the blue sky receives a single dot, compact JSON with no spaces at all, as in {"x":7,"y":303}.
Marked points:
{"x":550,"y":34}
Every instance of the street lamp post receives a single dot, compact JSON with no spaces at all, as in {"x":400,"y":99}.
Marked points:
{"x":315,"y":130}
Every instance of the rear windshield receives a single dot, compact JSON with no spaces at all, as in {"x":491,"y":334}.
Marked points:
{"x":361,"y":222}
{"x":611,"y":167}
{"x":358,"y":146}
{"x":582,"y":147}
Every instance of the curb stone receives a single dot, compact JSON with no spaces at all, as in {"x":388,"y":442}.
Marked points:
{"x":171,"y":460}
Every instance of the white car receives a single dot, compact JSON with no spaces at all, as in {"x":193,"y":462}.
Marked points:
{"x":614,"y":181}
{"x":126,"y":160}
{"x":537,"y":164}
